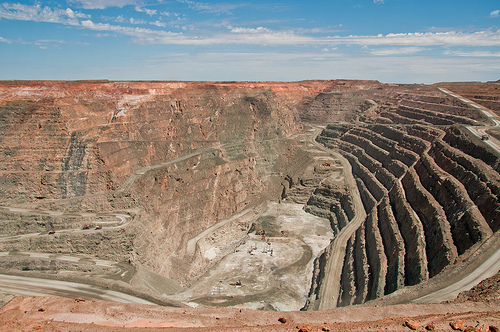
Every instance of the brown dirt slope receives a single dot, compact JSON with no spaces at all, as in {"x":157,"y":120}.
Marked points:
{"x":56,"y":314}
{"x":487,"y":290}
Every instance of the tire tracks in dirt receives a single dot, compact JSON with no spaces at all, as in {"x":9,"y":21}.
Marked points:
{"x":330,"y":285}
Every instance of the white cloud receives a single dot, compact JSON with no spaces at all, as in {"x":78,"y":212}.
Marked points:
{"x":38,"y":13}
{"x":320,"y":30}
{"x":141,"y":35}
{"x":450,"y":38}
{"x":48,"y":41}
{"x":265,"y":36}
{"x":42,"y":43}
{"x":135,"y":21}
{"x":149,"y":12}
{"x":101,"y":35}
{"x":210,"y":7}
{"x":72,"y":14}
{"x":14,"y":41}
{"x":480,"y":54}
{"x":398,"y":51}
{"x":239,"y":36}
{"x":54,"y":43}
{"x":378,"y":1}
{"x":158,"y":24}
{"x":102,"y":4}
{"x":250,"y":30}
{"x":326,"y":49}
{"x":495,"y":13}
{"x":169,"y":14}
{"x":120,"y":19}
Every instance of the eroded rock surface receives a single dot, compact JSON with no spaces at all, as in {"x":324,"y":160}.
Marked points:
{"x":175,"y":178}
{"x":429,"y":189}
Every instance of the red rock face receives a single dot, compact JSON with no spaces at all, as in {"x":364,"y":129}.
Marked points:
{"x":103,"y":132}
{"x":108,"y":146}
{"x":179,"y":157}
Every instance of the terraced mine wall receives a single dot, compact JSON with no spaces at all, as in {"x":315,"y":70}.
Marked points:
{"x":179,"y":157}
{"x":331,"y":202}
{"x":428,"y":202}
{"x":482,"y":94}
{"x":428,"y":186}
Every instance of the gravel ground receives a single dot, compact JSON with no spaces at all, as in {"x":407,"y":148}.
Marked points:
{"x":58,"y":314}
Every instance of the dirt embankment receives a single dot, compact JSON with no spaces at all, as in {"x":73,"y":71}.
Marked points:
{"x":57,"y":314}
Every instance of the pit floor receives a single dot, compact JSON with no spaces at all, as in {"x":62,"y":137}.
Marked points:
{"x":271,"y":271}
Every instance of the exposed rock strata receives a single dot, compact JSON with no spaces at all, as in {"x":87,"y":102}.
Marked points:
{"x":377,"y":260}
{"x":331,"y":201}
{"x":427,"y":201}
{"x":394,"y":247}
{"x":96,"y":146}
{"x":180,"y":157}
{"x":361,"y":267}
{"x":413,"y":235}
{"x":467,"y":224}
{"x":347,"y":279}
{"x":437,"y":230}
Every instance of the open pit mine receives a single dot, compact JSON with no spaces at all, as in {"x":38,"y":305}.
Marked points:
{"x":273,"y":196}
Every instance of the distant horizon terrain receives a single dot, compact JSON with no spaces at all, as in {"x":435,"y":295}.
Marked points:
{"x":104,"y":80}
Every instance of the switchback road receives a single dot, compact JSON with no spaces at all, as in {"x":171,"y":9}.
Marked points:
{"x":489,"y":268}
{"x":41,"y":287}
{"x":479,"y":131}
{"x":330,"y":285}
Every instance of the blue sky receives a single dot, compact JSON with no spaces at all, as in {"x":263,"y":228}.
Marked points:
{"x":398,"y":41}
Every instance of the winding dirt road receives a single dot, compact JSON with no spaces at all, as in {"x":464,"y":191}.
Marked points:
{"x":489,"y":268}
{"x":35,"y":286}
{"x":330,"y":285}
{"x":479,"y":131}
{"x":139,"y":173}
{"x":122,"y":221}
{"x":491,"y":265}
{"x":29,"y":286}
